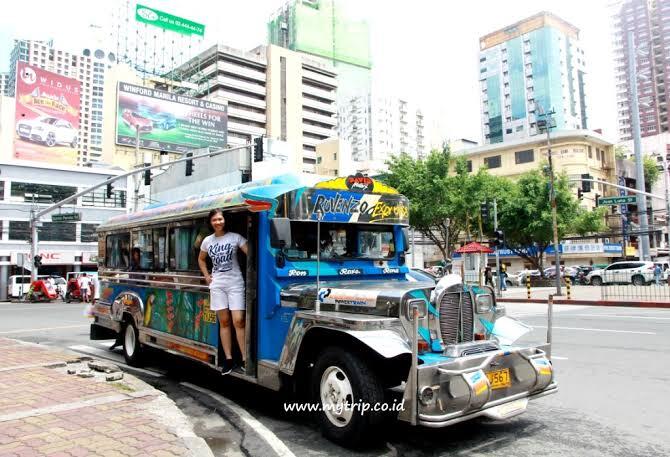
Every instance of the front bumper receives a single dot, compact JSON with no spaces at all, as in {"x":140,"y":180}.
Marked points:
{"x":459,"y":389}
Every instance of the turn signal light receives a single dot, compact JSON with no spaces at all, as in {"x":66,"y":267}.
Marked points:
{"x":479,"y":336}
{"x":423,"y":346}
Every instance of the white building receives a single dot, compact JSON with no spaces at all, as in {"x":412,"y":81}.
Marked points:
{"x":377,"y":127}
{"x":88,"y":67}
{"x":4,"y":83}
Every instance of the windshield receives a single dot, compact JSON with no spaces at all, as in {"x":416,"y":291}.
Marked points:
{"x":341,"y":241}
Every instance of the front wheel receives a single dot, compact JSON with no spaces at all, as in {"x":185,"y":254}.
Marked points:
{"x":132,"y":349}
{"x":638,"y":281}
{"x":597,"y":281}
{"x":347,"y":391}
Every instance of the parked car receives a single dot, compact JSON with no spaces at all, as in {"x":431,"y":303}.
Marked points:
{"x":630,"y":272}
{"x":136,"y":121}
{"x":523,"y":274}
{"x":419,"y":275}
{"x":48,"y":130}
{"x":512,"y":279}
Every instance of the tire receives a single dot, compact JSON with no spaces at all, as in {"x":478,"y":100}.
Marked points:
{"x":68,"y":297}
{"x":132,"y":349}
{"x":73,"y":144}
{"x":51,"y":140}
{"x":597,"y":281}
{"x":508,"y":284}
{"x":638,"y":280}
{"x":339,"y":376}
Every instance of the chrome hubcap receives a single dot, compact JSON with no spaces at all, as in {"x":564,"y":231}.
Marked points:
{"x":337,"y":396}
{"x":129,"y":343}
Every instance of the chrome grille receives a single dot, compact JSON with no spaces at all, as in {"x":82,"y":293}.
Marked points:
{"x":456,"y":317}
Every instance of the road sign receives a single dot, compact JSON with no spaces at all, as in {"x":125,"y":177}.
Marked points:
{"x":628,"y":199}
{"x":66,"y":217}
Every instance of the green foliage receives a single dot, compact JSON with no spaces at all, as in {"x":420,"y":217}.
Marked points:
{"x":651,"y":173}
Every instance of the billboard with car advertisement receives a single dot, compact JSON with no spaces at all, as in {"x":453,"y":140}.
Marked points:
{"x":167,"y":121}
{"x":47,"y":116}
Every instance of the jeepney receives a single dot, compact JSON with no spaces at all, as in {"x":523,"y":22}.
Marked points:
{"x":330,"y":312}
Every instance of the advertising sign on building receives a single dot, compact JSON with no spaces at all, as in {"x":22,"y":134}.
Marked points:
{"x":167,"y":121}
{"x":47,"y":116}
{"x":168,"y":21}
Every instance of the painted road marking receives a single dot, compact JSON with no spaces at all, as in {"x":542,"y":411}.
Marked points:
{"x":598,"y":330}
{"x":558,"y":357}
{"x":266,"y":434}
{"x":42,"y":329}
{"x":31,"y":308}
{"x":114,"y":357}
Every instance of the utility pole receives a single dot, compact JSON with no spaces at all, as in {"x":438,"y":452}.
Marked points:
{"x":667,"y":200}
{"x":637,"y":148}
{"x":136,"y":179}
{"x":548,"y":120}
{"x":495,"y":229}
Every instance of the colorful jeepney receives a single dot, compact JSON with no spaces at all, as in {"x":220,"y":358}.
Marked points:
{"x":330,"y":312}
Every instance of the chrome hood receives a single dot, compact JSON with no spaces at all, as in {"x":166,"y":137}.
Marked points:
{"x":381,"y":298}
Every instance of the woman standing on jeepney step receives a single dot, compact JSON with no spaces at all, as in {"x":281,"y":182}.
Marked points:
{"x":226,"y":286}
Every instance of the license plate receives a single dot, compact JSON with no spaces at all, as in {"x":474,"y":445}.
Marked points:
{"x":499,"y":379}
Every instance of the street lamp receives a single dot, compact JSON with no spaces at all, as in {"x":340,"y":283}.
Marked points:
{"x":547,"y":124}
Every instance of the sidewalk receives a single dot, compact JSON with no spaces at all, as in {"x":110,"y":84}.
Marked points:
{"x":45,"y":410}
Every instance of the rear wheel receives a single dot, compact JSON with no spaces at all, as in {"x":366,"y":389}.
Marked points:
{"x":132,"y":349}
{"x":638,"y":280}
{"x":597,"y":281}
{"x":51,"y":140}
{"x":342,"y":385}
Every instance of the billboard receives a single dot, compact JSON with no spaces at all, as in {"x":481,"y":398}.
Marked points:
{"x":47,"y":116}
{"x":167,"y":121}
{"x":168,"y":21}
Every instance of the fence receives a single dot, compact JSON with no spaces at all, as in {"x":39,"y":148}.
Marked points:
{"x":637,"y":285}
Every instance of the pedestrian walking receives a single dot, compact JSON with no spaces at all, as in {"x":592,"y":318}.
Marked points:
{"x":488,"y":277}
{"x":84,"y":287}
{"x":503,"y":277}
{"x":657,"y":274}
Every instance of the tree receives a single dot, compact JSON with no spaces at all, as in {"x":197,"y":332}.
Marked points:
{"x":441,"y":189}
{"x":525,"y":216}
{"x":651,"y":173}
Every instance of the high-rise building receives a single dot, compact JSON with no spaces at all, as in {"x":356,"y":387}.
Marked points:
{"x":649,"y":22}
{"x":377,"y":127}
{"x":88,"y":67}
{"x":269,"y":91}
{"x":330,"y":30}
{"x":4,"y":83}
{"x":534,"y":65}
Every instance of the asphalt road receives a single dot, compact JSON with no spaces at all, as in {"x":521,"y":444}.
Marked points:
{"x":611,"y":364}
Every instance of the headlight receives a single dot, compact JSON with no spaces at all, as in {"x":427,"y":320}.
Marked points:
{"x":484,"y":303}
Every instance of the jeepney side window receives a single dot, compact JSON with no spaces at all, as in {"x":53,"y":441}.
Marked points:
{"x":185,"y":245}
{"x":143,"y":240}
{"x":159,"y":249}
{"x":117,"y":250}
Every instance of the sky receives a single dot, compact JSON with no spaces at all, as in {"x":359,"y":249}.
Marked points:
{"x":422,"y":50}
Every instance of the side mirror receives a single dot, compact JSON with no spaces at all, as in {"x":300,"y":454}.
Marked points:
{"x":280,"y":232}
{"x":405,"y":239}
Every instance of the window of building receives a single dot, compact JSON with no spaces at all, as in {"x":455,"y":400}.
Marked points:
{"x":19,"y":230}
{"x":48,"y":192}
{"x":117,"y":251}
{"x":508,"y":131}
{"x":493,"y":162}
{"x":318,"y":160}
{"x":2,"y":190}
{"x":88,"y":234}
{"x":519,"y":128}
{"x":468,"y":165}
{"x":524,"y":156}
{"x":57,"y":231}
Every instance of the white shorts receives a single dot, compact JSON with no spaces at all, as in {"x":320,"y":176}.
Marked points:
{"x":230,"y":297}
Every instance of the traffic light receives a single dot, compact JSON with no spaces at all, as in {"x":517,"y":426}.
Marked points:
{"x":258,"y":149}
{"x":597,"y":197}
{"x":500,"y":238}
{"x":109,"y":190}
{"x":147,"y":177}
{"x":484,"y":210}
{"x":189,"y":164}
{"x":580,"y":194}
{"x":586,"y":185}
{"x":37,"y":261}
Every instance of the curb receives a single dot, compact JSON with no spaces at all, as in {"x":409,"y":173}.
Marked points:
{"x":562,"y":301}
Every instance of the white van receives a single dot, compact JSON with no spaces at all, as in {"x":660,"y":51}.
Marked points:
{"x":18,"y":285}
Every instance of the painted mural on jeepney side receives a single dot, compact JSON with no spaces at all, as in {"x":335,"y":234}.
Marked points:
{"x":184,"y":314}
